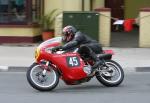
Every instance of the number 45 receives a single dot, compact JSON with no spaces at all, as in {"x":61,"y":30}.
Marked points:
{"x":73,"y":61}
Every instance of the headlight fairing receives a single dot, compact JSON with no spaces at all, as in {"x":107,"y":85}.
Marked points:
{"x":37,"y":53}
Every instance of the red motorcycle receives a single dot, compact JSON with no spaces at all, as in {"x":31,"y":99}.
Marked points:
{"x":49,"y":67}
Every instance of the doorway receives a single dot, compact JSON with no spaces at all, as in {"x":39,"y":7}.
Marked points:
{"x":117,"y":10}
{"x":120,"y":38}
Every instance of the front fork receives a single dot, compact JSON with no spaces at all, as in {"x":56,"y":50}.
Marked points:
{"x":45,"y":68}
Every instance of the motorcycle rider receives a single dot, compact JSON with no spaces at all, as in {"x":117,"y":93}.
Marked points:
{"x":73,"y":38}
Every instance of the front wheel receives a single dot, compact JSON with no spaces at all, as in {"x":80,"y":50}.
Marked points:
{"x":42,"y":79}
{"x":111,"y":74}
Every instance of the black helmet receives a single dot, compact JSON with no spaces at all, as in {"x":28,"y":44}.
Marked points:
{"x":68,"y":33}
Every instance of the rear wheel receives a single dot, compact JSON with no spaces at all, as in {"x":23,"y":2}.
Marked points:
{"x":110,"y":74}
{"x":41,"y":79}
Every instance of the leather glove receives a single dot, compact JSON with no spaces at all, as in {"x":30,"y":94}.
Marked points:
{"x":56,"y":48}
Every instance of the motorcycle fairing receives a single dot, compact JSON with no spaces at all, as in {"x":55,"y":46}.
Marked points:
{"x":71,"y":71}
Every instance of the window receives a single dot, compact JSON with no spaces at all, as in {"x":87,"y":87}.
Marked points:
{"x":20,"y":11}
{"x":37,"y":9}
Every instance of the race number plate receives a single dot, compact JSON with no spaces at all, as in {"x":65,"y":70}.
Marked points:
{"x":73,"y":61}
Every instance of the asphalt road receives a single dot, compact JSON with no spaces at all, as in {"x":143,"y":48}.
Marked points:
{"x":14,"y":88}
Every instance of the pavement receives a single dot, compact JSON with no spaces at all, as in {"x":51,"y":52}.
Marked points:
{"x":18,"y":57}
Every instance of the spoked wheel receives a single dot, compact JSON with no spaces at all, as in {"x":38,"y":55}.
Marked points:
{"x":110,"y":74}
{"x":42,"y":79}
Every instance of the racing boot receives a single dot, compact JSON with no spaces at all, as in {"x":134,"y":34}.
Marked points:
{"x":97,"y":63}
{"x":96,"y":60}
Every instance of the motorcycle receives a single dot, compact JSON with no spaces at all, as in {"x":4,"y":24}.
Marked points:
{"x":49,"y":67}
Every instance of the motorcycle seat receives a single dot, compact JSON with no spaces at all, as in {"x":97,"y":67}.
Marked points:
{"x":104,"y":56}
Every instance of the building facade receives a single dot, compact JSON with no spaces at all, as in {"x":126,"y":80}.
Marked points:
{"x":18,"y":18}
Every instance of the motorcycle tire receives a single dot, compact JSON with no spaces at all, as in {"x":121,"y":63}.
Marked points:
{"x":35,"y":83}
{"x":108,"y":81}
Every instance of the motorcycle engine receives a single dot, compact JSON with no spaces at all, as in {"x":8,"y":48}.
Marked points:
{"x":87,"y":69}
